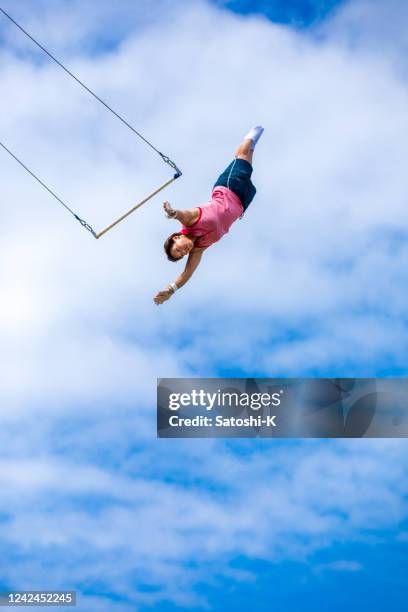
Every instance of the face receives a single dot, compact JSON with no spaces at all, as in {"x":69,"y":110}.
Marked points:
{"x":181,"y":246}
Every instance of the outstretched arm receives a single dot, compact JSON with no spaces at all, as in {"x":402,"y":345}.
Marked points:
{"x":186,"y":217}
{"x":192,"y":263}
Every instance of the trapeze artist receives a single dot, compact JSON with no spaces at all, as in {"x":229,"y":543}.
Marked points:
{"x":204,"y":225}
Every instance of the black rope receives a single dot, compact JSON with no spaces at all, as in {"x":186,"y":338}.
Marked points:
{"x":166,"y":159}
{"x":82,"y":222}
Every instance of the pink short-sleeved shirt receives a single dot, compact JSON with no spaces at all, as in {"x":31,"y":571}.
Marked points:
{"x":215,"y":217}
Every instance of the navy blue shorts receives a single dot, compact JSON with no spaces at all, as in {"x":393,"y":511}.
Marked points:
{"x":237,"y":177}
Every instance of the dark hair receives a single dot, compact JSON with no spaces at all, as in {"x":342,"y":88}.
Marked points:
{"x":168,"y":246}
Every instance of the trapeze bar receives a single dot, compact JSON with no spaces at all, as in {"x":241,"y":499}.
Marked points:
{"x":129,"y":212}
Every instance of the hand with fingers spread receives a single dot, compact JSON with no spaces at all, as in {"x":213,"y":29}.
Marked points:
{"x":169,"y":211}
{"x":163,"y":296}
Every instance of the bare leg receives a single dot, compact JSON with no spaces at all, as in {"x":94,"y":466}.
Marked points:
{"x":246,"y":148}
{"x":245,"y":151}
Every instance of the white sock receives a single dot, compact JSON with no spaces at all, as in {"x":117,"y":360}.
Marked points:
{"x":254,"y":134}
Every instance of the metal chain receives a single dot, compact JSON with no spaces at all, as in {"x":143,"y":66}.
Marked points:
{"x":82,"y":222}
{"x":166,"y":159}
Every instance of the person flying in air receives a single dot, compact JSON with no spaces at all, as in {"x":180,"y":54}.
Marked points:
{"x":206,"y":224}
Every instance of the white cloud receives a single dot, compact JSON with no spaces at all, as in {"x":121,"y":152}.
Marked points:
{"x":274,"y":505}
{"x":341,"y":566}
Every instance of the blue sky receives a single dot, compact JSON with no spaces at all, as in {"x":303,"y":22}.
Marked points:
{"x":298,"y":13}
{"x":310,"y":282}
